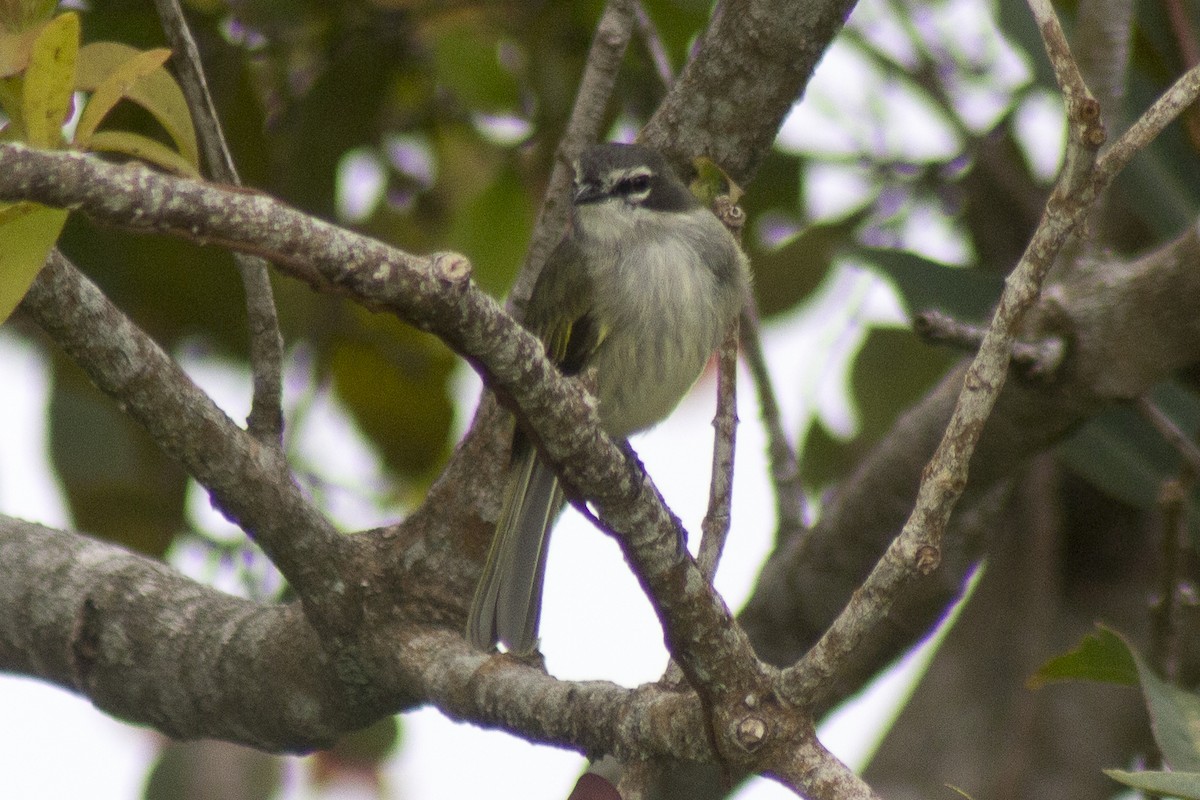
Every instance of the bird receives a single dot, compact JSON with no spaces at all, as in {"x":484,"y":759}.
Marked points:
{"x":637,"y":295}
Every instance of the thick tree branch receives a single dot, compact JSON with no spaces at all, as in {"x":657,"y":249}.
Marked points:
{"x":150,"y":646}
{"x":749,"y":68}
{"x":250,"y":482}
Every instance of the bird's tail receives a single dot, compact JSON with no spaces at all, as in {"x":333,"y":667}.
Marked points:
{"x":508,"y":600}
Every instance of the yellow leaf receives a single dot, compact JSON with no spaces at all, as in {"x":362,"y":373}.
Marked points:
{"x":115,"y":86}
{"x":27,"y":232}
{"x":143,"y":148}
{"x":50,"y":79}
{"x":10,"y":104}
{"x":156,"y":91}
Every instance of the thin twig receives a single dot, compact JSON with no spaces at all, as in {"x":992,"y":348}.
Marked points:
{"x":654,"y":44}
{"x":613,"y":33}
{"x":1086,"y":129}
{"x":1166,"y":427}
{"x":1173,"y":504}
{"x":715,"y":527}
{"x":1161,"y":113}
{"x":1164,"y":616}
{"x":265,"y":421}
{"x":1066,"y":70}
{"x":1179,"y":19}
{"x":1102,"y":38}
{"x":1102,"y":43}
{"x":1040,"y":359}
{"x":790,"y":503}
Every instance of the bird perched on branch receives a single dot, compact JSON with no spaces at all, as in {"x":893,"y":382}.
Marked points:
{"x":639,"y":293}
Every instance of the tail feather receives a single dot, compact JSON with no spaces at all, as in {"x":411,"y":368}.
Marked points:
{"x":508,"y":600}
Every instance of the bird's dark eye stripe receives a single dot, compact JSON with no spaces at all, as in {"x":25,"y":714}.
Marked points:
{"x":634,"y":183}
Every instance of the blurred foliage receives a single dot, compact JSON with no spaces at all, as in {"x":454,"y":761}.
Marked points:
{"x":213,"y":770}
{"x":893,"y":370}
{"x":42,"y":67}
{"x":1122,"y":453}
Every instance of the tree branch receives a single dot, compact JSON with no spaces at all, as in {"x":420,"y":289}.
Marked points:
{"x":749,"y":68}
{"x":265,"y":422}
{"x":250,"y":483}
{"x":715,"y":527}
{"x":1129,"y":324}
{"x":437,"y":295}
{"x":917,"y":550}
{"x":150,"y":646}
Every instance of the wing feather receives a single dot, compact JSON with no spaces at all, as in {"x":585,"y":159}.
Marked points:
{"x":560,"y":311}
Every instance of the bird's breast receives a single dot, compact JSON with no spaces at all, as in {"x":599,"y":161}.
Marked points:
{"x":665,"y":311}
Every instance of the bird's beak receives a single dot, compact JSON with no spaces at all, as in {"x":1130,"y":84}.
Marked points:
{"x":588,"y":193}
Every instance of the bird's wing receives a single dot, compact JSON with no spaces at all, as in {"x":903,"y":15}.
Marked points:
{"x":560,"y":309}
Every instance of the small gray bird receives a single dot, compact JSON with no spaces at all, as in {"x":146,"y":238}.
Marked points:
{"x":641,"y":289}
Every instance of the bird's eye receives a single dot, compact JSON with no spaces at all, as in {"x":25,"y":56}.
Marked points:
{"x":634,"y":184}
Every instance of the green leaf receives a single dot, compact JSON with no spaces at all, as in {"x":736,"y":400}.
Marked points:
{"x":112,"y":71}
{"x":785,"y":275}
{"x":711,"y":182}
{"x":1174,"y":712}
{"x":120,"y":485}
{"x":115,"y":86}
{"x":50,"y":81}
{"x":1174,"y":718}
{"x":27,"y":232}
{"x":1101,"y":656}
{"x":962,"y":292}
{"x":143,"y":148}
{"x":1184,"y":785}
